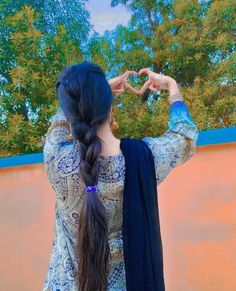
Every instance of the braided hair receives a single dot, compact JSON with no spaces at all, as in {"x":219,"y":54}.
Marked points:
{"x":86,"y":98}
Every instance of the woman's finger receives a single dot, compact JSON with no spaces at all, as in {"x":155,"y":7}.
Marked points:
{"x":145,"y":86}
{"x":153,"y":87}
{"x":130,"y":88}
{"x":114,"y":82}
{"x":128,"y":73}
{"x":119,"y":91}
{"x":120,"y":85}
{"x":146,"y":71}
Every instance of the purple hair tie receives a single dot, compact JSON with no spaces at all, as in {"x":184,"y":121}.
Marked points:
{"x":93,"y":188}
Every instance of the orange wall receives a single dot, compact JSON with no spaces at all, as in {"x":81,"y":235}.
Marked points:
{"x":197,"y":204}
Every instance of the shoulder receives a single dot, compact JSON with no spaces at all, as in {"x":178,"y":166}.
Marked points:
{"x":65,"y":161}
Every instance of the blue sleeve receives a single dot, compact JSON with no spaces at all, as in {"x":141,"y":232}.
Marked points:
{"x":177,"y":145}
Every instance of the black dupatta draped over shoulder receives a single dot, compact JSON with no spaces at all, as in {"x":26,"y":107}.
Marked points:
{"x":142,"y":247}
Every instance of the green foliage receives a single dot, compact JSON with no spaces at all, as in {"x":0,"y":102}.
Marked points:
{"x":52,"y":13}
{"x":28,"y":97}
{"x":191,"y":41}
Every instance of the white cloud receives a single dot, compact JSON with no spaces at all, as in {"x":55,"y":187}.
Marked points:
{"x":104,"y":17}
{"x":108,"y":21}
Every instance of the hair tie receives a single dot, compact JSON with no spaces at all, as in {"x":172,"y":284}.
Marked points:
{"x":93,"y":188}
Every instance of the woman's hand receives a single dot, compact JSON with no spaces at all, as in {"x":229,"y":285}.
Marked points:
{"x":119,"y":84}
{"x":157,"y":81}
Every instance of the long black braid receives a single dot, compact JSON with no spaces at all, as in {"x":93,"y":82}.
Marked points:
{"x":86,"y":98}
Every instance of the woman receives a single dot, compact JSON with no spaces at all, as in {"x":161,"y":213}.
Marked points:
{"x":85,"y":165}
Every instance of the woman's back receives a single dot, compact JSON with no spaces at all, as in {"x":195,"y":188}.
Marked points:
{"x":62,"y":161}
{"x":68,"y":186}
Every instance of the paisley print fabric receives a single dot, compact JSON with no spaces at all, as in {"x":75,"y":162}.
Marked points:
{"x":61,"y":163}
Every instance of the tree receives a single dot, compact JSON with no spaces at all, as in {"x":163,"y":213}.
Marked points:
{"x":28,"y":97}
{"x":69,"y":13}
{"x":192,"y":41}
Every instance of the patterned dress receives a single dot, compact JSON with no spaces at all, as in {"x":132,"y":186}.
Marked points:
{"x":61,"y":162}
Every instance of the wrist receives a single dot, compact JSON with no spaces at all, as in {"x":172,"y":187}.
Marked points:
{"x":173,"y":87}
{"x":175,"y":97}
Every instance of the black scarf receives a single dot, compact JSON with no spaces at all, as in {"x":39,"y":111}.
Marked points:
{"x":143,"y":254}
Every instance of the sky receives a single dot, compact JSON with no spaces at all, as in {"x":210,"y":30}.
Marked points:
{"x":104,"y":17}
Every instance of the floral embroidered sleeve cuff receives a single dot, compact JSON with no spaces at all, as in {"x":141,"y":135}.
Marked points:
{"x":181,"y":121}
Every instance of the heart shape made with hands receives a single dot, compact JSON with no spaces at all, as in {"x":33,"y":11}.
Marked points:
{"x":121,"y":82}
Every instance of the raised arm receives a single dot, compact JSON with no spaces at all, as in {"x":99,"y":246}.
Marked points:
{"x":177,"y":145}
{"x":55,"y":140}
{"x":57,"y":133}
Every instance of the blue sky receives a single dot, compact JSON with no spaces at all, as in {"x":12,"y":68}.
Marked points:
{"x":104,"y":17}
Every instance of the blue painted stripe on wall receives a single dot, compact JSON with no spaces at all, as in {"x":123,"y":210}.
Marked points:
{"x":21,"y":160}
{"x":206,"y":137}
{"x":216,"y":136}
